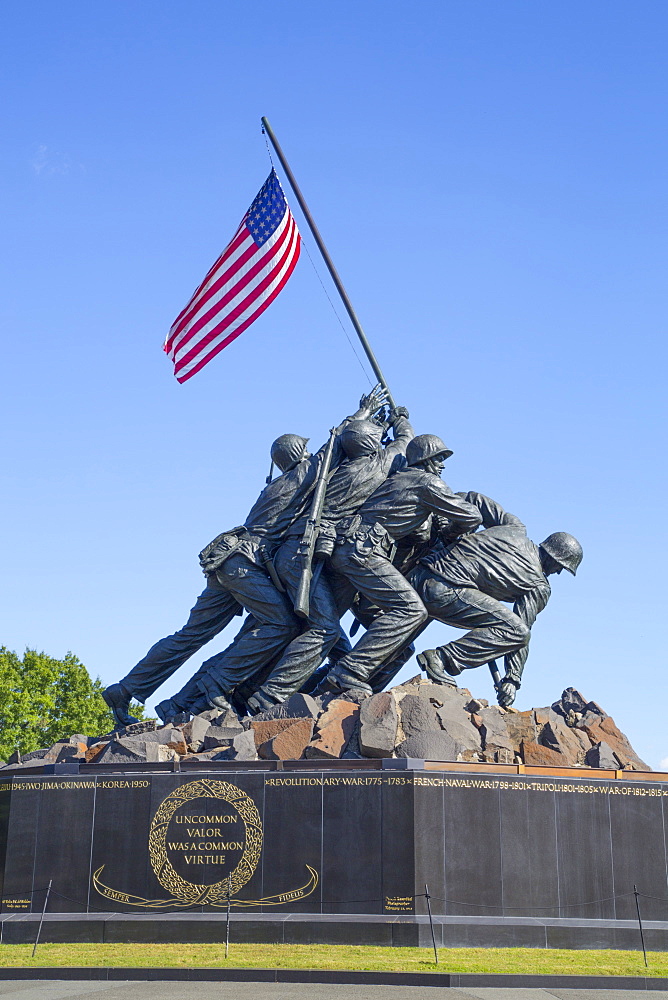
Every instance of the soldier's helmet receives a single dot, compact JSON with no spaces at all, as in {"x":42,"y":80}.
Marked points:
{"x":360,"y":438}
{"x":426,"y":446}
{"x":287,"y":450}
{"x":564,"y":549}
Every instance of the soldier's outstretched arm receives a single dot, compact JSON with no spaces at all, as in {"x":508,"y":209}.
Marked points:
{"x":465,"y":516}
{"x":492,"y":513}
{"x":527,"y":607}
{"x":402,"y":433}
{"x":369,"y":405}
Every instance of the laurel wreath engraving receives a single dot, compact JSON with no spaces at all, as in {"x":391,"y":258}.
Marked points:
{"x":165,"y":872}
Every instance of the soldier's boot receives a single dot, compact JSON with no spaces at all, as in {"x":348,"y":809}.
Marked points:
{"x":218,"y":701}
{"x":239,"y":703}
{"x":260,"y":702}
{"x":199,"y":706}
{"x":212,"y":693}
{"x":168,"y":711}
{"x":118,"y":699}
{"x":340,"y":679}
{"x":434,"y":663}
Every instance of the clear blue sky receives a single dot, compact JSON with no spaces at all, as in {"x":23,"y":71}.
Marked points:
{"x":491,"y":180}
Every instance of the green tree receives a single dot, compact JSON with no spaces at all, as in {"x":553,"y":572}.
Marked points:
{"x":43,"y":700}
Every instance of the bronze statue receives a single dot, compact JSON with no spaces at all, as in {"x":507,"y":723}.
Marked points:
{"x":468,"y":582}
{"x":235,"y":567}
{"x":367,"y":465}
{"x":361,"y":561}
{"x":372,"y":495}
{"x":363,"y":466}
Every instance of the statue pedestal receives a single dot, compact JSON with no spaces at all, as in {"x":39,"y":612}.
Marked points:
{"x":335,"y":852}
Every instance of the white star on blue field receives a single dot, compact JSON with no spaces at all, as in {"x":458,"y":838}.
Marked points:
{"x":266,"y":212}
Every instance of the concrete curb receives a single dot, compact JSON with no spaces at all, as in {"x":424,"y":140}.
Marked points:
{"x":452,"y":980}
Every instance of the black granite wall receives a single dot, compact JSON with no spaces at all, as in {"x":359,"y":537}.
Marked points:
{"x":544,"y":847}
{"x":334,"y":842}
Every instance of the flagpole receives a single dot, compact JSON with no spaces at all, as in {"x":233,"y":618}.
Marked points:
{"x":328,"y":260}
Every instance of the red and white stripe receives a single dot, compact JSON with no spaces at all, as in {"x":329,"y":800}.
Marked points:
{"x":245,"y":279}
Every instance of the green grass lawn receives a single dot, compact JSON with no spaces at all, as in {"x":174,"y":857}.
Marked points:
{"x":280,"y":956}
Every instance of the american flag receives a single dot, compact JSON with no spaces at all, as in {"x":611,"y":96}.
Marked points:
{"x":247,"y":276}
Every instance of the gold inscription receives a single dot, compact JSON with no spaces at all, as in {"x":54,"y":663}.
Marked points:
{"x":57,"y":786}
{"x":210,"y":859}
{"x":577,"y":788}
{"x":206,"y":846}
{"x":401,"y":904}
{"x":542,"y":786}
{"x":203,"y":841}
{"x":48,"y":786}
{"x":120,"y":897}
{"x":355,"y":780}
{"x":123,"y":784}
{"x":227,"y":818}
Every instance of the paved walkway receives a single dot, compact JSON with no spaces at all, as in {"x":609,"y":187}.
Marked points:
{"x":41,"y":990}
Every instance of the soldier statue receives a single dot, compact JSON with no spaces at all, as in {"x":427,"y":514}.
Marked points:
{"x":238,"y":568}
{"x":467,"y":582}
{"x":380,"y":498}
{"x":361,"y":561}
{"x":366,"y":464}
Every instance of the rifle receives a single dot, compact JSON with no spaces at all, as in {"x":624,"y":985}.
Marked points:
{"x":270,"y":570}
{"x":496,"y":676}
{"x":307,"y":545}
